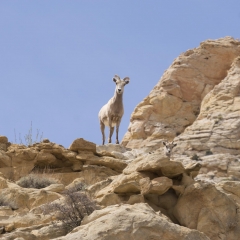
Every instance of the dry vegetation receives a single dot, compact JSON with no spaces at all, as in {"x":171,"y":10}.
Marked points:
{"x":73,"y":209}
{"x":36,"y":180}
{"x":6,"y":203}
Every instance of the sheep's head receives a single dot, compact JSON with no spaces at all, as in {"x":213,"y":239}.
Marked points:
{"x":168,"y":147}
{"x":120,"y":83}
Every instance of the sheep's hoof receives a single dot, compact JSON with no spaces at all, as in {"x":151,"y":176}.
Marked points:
{"x":117,"y":142}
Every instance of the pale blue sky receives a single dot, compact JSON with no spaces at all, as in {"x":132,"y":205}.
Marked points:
{"x":57,"y":58}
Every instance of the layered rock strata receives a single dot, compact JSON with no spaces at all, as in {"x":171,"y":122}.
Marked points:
{"x":176,"y":100}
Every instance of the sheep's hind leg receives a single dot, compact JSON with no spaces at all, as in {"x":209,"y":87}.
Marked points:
{"x":110,"y":134}
{"x":102,"y":130}
{"x":117,"y":128}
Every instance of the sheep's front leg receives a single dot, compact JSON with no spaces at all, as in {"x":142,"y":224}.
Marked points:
{"x":117,"y":128}
{"x":102,"y":130}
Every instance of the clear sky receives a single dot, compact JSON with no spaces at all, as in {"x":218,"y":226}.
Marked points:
{"x":57,"y":58}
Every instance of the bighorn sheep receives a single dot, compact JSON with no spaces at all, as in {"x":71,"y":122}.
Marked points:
{"x":169,"y":147}
{"x":111,"y":113}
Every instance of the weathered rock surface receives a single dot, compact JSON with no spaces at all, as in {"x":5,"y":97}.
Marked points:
{"x":214,"y":136}
{"x":20,"y":160}
{"x":110,"y":162}
{"x":80,"y":144}
{"x":154,"y":163}
{"x":213,"y":211}
{"x":20,"y":204}
{"x":193,"y":194}
{"x":4,"y":143}
{"x":176,"y":100}
{"x":152,"y":178}
{"x":136,"y":221}
{"x":157,"y":186}
{"x":114,"y":150}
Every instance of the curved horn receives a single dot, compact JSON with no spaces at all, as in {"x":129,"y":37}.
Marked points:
{"x":115,"y":78}
{"x":126,"y":80}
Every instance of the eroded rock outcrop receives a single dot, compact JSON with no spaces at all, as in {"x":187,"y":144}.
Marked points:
{"x":142,"y":192}
{"x":175,"y":102}
{"x":137,"y":221}
{"x":81,"y":160}
{"x":215,"y":135}
{"x":209,"y":209}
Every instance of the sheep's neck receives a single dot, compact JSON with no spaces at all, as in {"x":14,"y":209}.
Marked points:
{"x":118,"y":100}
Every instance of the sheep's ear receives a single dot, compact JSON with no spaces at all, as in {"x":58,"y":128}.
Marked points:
{"x":126,"y":80}
{"x":115,"y":78}
{"x":164,"y":143}
{"x":175,"y":144}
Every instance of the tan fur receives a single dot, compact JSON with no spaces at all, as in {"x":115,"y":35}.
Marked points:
{"x":169,"y":147}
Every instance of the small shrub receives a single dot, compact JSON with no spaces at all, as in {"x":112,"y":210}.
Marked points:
{"x":220,"y":117}
{"x":36,"y":181}
{"x":29,"y":138}
{"x":75,"y":207}
{"x":196,"y":157}
{"x":234,"y":178}
{"x":7,"y":203}
{"x":209,"y":152}
{"x":232,"y":225}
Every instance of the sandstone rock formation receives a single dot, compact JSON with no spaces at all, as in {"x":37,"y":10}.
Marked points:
{"x":196,"y":103}
{"x":77,"y":161}
{"x":214,"y":212}
{"x":175,"y":102}
{"x":149,"y":179}
{"x":137,"y":221}
{"x":142,"y":193}
{"x":215,"y":135}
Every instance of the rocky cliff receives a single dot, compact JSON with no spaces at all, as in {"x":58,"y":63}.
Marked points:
{"x":196,"y":103}
{"x":181,"y":95}
{"x":140,"y":191}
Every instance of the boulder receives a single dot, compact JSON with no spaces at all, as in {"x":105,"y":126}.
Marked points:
{"x":3,"y":139}
{"x":124,"y":184}
{"x":110,"y":162}
{"x":157,"y":186}
{"x":113,"y":150}
{"x":206,"y":208}
{"x":136,"y":221}
{"x":156,"y":162}
{"x":4,"y":144}
{"x":80,"y":144}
